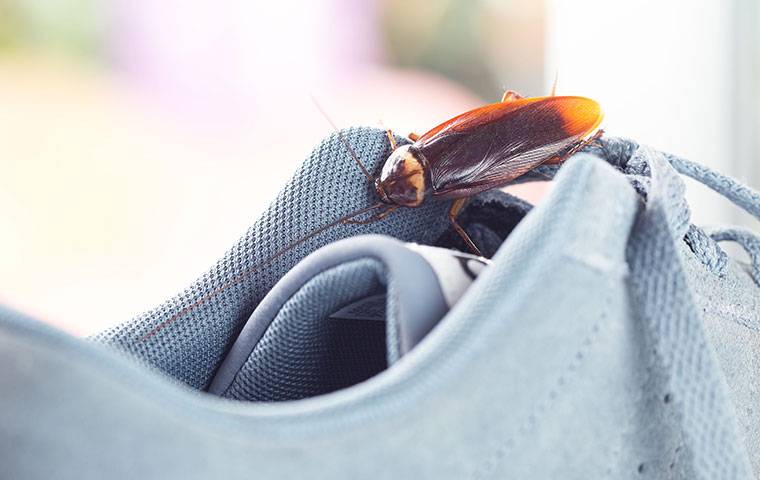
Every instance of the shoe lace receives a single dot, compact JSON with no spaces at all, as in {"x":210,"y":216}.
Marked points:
{"x":746,"y":198}
{"x":624,"y":155}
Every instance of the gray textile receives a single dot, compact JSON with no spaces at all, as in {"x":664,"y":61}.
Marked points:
{"x":605,"y":341}
{"x":296,"y":356}
{"x":197,"y":326}
{"x":666,"y":305}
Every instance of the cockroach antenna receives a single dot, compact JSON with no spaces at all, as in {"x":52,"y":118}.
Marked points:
{"x":554,"y":85}
{"x":238,"y":278}
{"x":343,"y":140}
{"x":343,"y":220}
{"x":389,"y":134}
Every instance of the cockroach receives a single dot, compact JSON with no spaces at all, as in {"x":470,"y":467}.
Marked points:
{"x":481,"y":149}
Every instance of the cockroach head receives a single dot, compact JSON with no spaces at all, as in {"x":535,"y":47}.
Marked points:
{"x":402,"y":179}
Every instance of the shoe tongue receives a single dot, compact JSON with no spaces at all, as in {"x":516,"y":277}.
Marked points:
{"x":454,"y":271}
{"x":341,"y":316}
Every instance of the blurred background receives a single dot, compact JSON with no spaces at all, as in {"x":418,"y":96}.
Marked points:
{"x":140,"y":138}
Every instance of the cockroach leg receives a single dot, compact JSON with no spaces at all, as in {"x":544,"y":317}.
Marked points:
{"x":594,"y":139}
{"x":391,"y":138}
{"x":576,"y":148}
{"x":456,"y":208}
{"x":413,"y":136}
{"x":510,"y":96}
{"x":374,"y":218}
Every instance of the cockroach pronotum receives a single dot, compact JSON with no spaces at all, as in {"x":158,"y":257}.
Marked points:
{"x":476,"y":151}
{"x":482,"y":149}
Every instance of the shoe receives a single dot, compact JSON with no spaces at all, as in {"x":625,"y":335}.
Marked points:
{"x":608,"y":337}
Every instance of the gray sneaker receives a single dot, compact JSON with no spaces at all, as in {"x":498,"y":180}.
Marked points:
{"x":608,"y":337}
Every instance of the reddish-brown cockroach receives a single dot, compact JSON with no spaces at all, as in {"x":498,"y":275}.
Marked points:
{"x":476,"y":151}
{"x":482,"y":149}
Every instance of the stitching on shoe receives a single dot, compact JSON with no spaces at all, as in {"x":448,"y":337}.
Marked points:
{"x":599,"y":263}
{"x":487,"y":467}
{"x":734,"y":317}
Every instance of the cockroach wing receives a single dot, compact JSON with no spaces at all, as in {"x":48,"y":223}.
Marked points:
{"x":488,"y":147}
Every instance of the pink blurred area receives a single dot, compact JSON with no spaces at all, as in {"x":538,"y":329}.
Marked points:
{"x":124,"y":180}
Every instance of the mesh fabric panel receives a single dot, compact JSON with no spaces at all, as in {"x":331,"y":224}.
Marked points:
{"x":304,"y":352}
{"x":187,"y":336}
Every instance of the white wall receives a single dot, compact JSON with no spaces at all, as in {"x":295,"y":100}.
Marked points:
{"x":665,"y":73}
